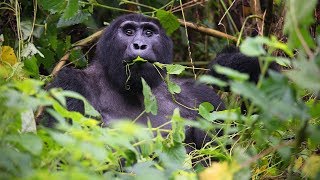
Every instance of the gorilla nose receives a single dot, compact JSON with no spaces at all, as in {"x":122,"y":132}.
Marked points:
{"x":139,"y":46}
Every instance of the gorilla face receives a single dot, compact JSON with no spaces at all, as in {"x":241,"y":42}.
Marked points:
{"x":124,"y":40}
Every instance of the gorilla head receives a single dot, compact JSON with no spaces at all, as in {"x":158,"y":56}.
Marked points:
{"x":126,"y":38}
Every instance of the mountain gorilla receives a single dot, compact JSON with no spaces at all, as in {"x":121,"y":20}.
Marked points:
{"x":106,"y":85}
{"x":232,"y":58}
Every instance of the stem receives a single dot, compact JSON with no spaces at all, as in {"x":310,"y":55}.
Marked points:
{"x":227,"y":13}
{"x":242,"y":28}
{"x":106,"y":7}
{"x":139,"y":116}
{"x":188,"y":42}
{"x":139,"y":4}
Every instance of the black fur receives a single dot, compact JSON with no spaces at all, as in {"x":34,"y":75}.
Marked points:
{"x":103,"y":83}
{"x":232,"y":58}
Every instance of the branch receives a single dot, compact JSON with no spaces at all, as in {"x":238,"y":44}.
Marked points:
{"x":208,"y":31}
{"x":77,"y":45}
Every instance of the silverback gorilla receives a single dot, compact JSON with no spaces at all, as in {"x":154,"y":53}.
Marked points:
{"x":107,"y":87}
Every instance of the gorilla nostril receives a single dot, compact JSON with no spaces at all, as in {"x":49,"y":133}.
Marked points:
{"x":136,"y":46}
{"x":143,"y":47}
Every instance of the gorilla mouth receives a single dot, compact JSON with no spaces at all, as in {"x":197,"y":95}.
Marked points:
{"x":138,"y":61}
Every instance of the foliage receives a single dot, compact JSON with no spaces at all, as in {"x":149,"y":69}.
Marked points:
{"x":277,"y":138}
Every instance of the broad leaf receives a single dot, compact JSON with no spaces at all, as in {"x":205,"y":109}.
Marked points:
{"x":168,"y":21}
{"x":150,"y":101}
{"x":71,"y":9}
{"x":175,"y":68}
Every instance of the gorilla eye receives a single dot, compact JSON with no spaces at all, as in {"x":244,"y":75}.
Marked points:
{"x":149,"y":33}
{"x":129,"y":32}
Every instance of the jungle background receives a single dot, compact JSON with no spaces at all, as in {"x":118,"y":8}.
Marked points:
{"x":278,"y":138}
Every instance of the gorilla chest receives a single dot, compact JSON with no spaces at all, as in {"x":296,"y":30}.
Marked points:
{"x":113,"y":105}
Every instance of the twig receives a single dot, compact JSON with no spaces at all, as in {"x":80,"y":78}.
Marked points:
{"x":265,"y":152}
{"x":207,"y":31}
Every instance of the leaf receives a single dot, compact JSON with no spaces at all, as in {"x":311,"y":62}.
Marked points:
{"x":29,"y":86}
{"x":233,"y":74}
{"x":28,"y":122}
{"x":88,"y":108}
{"x":168,"y":21}
{"x":78,"y":58}
{"x":160,"y":65}
{"x":150,"y":101}
{"x":49,"y":59}
{"x":210,"y":80}
{"x":146,"y":170}
{"x":283,"y":61}
{"x":30,"y":142}
{"x":31,"y":66}
{"x":178,"y":131}
{"x":253,"y":46}
{"x":205,"y":109}
{"x":76,"y":19}
{"x":175,"y":68}
{"x":139,"y":59}
{"x":53,"y":6}
{"x":15,"y":163}
{"x":71,"y":9}
{"x":30,"y":50}
{"x":8,"y":55}
{"x":172,"y":87}
{"x":299,"y":17}
{"x":306,"y":75}
{"x":26,"y":28}
{"x":250,"y":91}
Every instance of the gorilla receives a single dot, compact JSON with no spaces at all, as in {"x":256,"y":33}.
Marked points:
{"x":115,"y":94}
{"x":232,"y":58}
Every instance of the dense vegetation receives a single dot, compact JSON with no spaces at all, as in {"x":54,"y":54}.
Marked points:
{"x":278,"y":138}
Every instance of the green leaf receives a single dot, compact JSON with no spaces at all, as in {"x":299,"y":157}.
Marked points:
{"x":71,"y":9}
{"x":49,"y":59}
{"x":29,"y":86}
{"x":205,"y":109}
{"x":53,"y":6}
{"x":175,"y":68}
{"x":15,"y":163}
{"x":30,"y":142}
{"x":250,"y":91}
{"x":172,"y":87}
{"x":253,"y":46}
{"x":78,"y":58}
{"x":139,"y":59}
{"x":299,"y":17}
{"x":150,"y":101}
{"x":178,"y":131}
{"x":31,"y":66}
{"x":207,"y":79}
{"x":76,"y":19}
{"x":233,"y":74}
{"x":89,"y":110}
{"x":283,"y":61}
{"x":168,"y":21}
{"x":306,"y":75}
{"x":146,"y":171}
